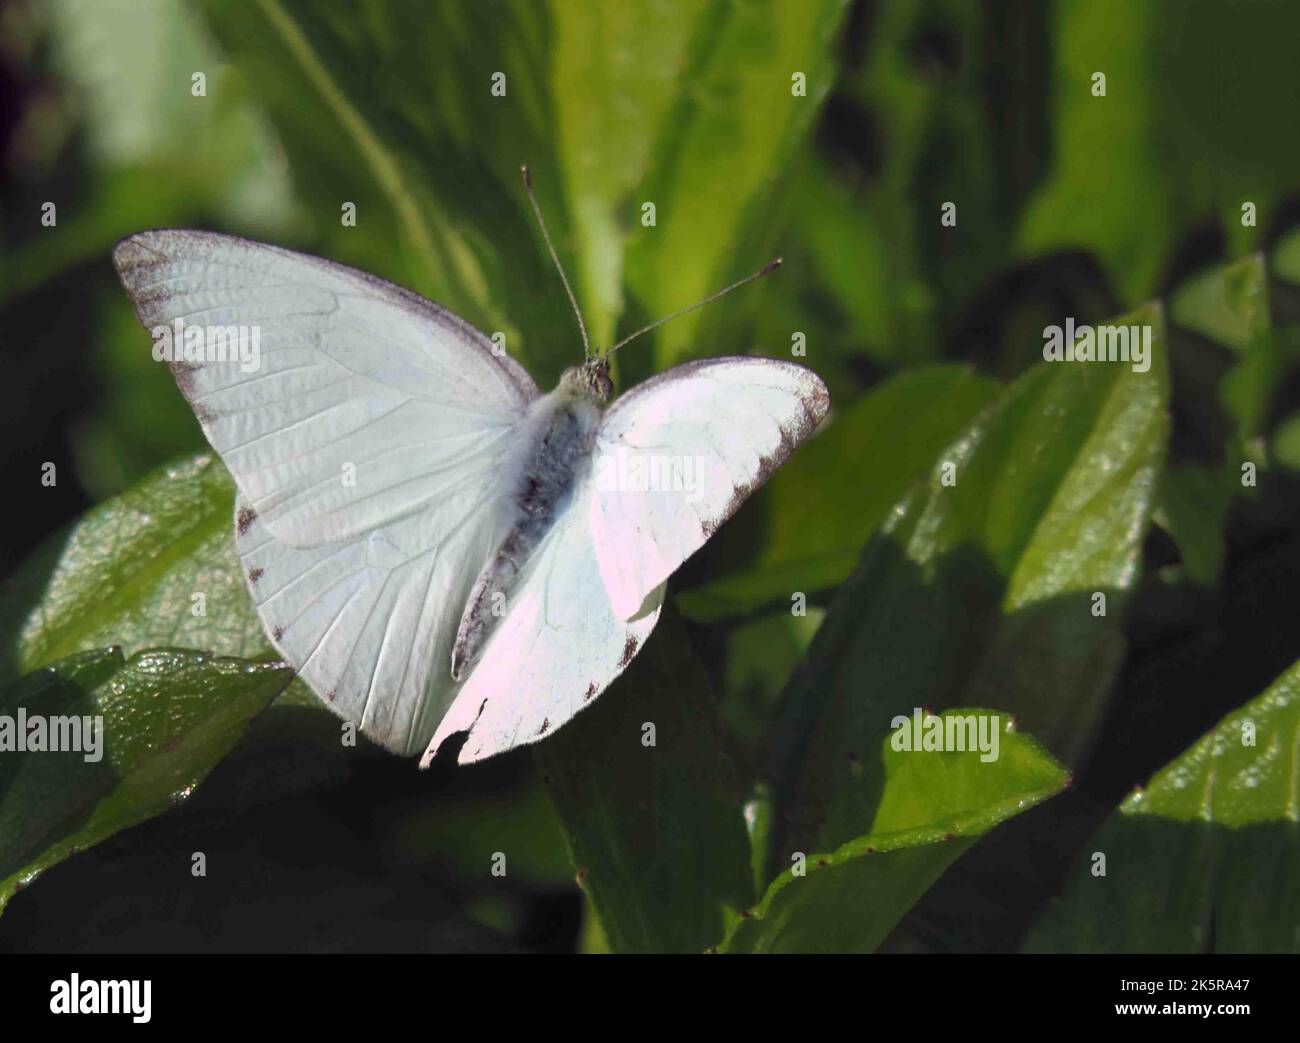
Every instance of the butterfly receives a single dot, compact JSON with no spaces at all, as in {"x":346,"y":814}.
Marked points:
{"x":435,"y":546}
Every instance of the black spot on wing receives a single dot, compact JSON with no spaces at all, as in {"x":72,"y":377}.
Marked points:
{"x":255,"y":574}
{"x":629,"y":650}
{"x":244,"y":519}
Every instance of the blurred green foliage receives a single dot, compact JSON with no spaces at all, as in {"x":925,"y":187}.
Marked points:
{"x":1070,"y":480}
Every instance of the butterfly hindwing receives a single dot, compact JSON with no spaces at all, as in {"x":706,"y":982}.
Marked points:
{"x":558,"y":647}
{"x":368,"y":623}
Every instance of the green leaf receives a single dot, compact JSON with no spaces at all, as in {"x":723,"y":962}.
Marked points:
{"x":1204,"y":856}
{"x":923,"y":809}
{"x":1286,"y":257}
{"x":981,"y":588}
{"x":728,"y":139}
{"x":1229,"y":304}
{"x":1175,"y":141}
{"x":615,"y":74}
{"x":823,"y":505}
{"x":1105,"y":204}
{"x":761,"y":653}
{"x":1192,"y":504}
{"x":168,"y":717}
{"x":1227,"y":388}
{"x":1286,"y":442}
{"x":128,"y":574}
{"x":655,"y":831}
{"x":845,"y":232}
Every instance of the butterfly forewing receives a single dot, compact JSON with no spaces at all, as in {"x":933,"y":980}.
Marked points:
{"x":678,"y":454}
{"x":362,"y":402}
{"x":372,"y":443}
{"x":558,"y":647}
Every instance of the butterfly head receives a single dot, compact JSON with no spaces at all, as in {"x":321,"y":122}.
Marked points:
{"x":590,"y":380}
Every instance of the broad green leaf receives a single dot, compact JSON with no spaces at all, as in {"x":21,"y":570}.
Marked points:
{"x":135,"y":109}
{"x":615,"y":74}
{"x":921,"y":811}
{"x":728,"y":140}
{"x":129,"y":573}
{"x":843,"y":231}
{"x":982,"y":588}
{"x":888,"y":315}
{"x":826,"y":501}
{"x":168,"y":717}
{"x":1205,"y":855}
{"x":655,"y":831}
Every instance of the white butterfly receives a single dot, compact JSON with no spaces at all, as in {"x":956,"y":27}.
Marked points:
{"x":433,"y":545}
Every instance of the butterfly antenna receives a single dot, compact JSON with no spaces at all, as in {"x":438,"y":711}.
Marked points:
{"x":771,"y":266}
{"x":582,"y":326}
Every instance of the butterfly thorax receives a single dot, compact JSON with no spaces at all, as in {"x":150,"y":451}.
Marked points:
{"x":562,"y":431}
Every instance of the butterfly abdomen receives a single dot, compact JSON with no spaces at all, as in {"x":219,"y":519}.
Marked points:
{"x":563,"y":434}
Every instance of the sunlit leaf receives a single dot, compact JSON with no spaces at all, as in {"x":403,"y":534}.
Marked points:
{"x":1203,"y":857}
{"x":1001,"y":583}
{"x":927,"y":808}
